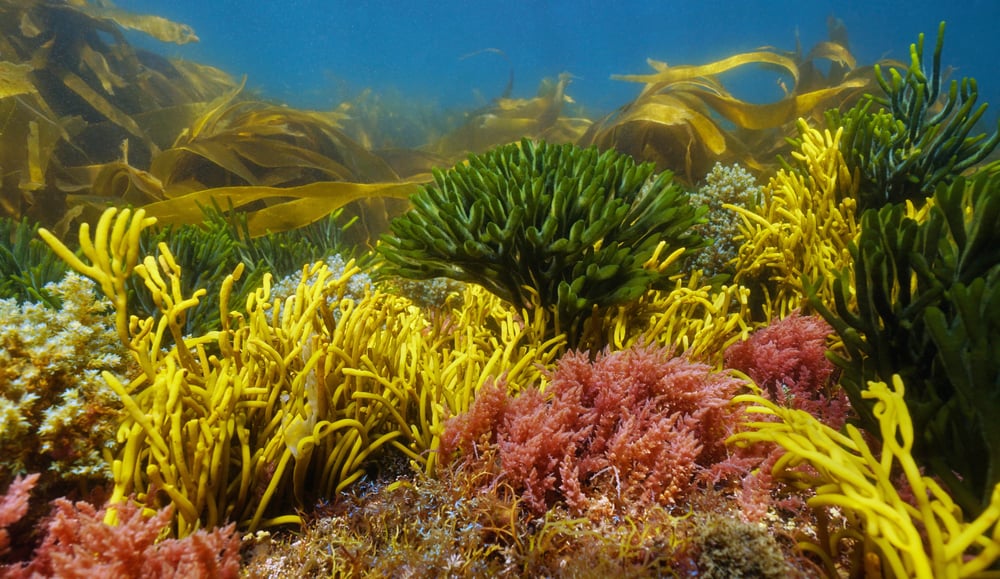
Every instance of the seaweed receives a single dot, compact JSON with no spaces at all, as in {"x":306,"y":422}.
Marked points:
{"x":211,"y":250}
{"x":72,"y":90}
{"x":27,"y":264}
{"x":915,"y":136}
{"x":89,"y":121}
{"x":928,"y":309}
{"x":557,"y":226}
{"x":686,"y":120}
{"x":543,"y":117}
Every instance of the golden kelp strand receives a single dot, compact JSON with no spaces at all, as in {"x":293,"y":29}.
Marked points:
{"x":675,"y":121}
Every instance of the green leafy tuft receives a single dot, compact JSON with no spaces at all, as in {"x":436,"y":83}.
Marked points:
{"x":574,"y":225}
{"x":27,"y":264}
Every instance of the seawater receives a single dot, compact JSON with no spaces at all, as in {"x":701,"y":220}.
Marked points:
{"x":458,"y":54}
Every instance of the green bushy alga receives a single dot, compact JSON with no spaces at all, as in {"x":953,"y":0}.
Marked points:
{"x":569,"y":229}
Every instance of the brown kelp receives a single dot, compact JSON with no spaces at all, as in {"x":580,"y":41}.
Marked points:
{"x":285,"y":167}
{"x":91,"y":121}
{"x":685,"y":119}
{"x":550,"y":116}
{"x":73,"y":90}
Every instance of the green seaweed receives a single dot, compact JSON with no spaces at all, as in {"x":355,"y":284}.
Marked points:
{"x":928,"y":309}
{"x":575,"y":226}
{"x":27,"y":264}
{"x":915,"y":136}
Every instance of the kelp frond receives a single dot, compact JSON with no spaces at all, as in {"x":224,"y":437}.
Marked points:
{"x":548,"y":116}
{"x":685,"y":119}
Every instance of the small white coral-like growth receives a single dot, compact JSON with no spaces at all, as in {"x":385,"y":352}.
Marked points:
{"x":724,"y":184}
{"x":354,"y":290}
{"x":56,"y":411}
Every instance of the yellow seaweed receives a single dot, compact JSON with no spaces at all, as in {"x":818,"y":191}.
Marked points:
{"x":692,"y":318}
{"x":308,"y":203}
{"x":302,"y":390}
{"x":924,"y":537}
{"x":803,"y":227}
{"x":685,"y":119}
{"x":666,"y":74}
{"x":158,"y":27}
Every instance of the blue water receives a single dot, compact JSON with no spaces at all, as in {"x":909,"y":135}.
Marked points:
{"x":313,"y":53}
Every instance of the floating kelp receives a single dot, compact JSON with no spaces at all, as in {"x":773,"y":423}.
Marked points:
{"x":90,"y":121}
{"x":685,"y":119}
{"x":294,"y":166}
{"x":72,"y":90}
{"x":156,"y":26}
{"x":508,"y":120}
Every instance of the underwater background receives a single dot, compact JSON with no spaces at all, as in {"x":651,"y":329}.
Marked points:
{"x":529,"y":289}
{"x":315,"y":53}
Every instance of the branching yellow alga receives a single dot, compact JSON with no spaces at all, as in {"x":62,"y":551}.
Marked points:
{"x":803,"y":227}
{"x":693,"y":317}
{"x":287,"y":401}
{"x":924,"y":538}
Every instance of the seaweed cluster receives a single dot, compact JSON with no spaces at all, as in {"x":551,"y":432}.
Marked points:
{"x":566,"y":229}
{"x":57,"y":415}
{"x":583,"y":402}
{"x":684,"y":117}
{"x":917,"y":135}
{"x":927,"y":310}
{"x":27,"y":264}
{"x":73,"y":90}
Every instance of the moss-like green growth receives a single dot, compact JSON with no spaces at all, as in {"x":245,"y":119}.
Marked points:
{"x":575,"y":226}
{"x":917,"y":135}
{"x":27,"y":264}
{"x":928,"y":309}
